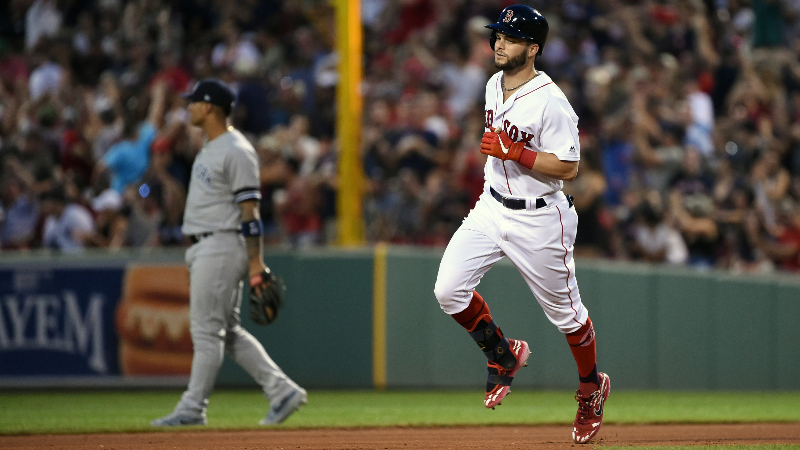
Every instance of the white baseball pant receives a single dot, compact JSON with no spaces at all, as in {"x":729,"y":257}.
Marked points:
{"x":539,"y":242}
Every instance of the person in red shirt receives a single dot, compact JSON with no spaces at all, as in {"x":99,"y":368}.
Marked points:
{"x":787,"y":250}
{"x":13,"y":69}
{"x":171,"y":72}
{"x":783,"y":248}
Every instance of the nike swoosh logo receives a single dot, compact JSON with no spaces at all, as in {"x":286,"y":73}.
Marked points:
{"x":505,"y":150}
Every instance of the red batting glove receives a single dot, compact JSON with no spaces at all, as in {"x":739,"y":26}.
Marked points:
{"x":501,"y":146}
{"x":498,"y":144}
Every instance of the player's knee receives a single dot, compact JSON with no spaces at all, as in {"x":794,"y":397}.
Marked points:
{"x":442,"y":291}
{"x":450,"y":298}
{"x":204,"y":333}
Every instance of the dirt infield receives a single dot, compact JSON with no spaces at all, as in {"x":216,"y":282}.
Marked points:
{"x":540,"y":437}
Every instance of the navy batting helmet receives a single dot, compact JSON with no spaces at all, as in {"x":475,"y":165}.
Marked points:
{"x":521,"y":21}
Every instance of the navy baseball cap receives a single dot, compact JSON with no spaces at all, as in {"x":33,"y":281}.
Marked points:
{"x":212,"y":91}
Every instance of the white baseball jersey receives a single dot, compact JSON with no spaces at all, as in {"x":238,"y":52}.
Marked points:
{"x":537,"y":238}
{"x":224,"y":173}
{"x":539,"y":115}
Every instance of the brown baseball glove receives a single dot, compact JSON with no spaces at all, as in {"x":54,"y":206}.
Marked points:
{"x":266,"y":297}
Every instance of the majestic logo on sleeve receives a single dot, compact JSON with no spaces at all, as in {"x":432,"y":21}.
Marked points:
{"x":508,"y":16}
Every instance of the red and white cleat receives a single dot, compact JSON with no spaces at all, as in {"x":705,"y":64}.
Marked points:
{"x":500,"y":379}
{"x":590,"y":411}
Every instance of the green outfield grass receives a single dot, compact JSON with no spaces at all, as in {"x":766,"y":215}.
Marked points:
{"x":39,"y":412}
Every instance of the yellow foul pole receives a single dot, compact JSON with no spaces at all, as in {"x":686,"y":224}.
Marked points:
{"x":350,"y":221}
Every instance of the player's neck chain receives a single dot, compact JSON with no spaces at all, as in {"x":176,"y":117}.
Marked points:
{"x":503,"y":83}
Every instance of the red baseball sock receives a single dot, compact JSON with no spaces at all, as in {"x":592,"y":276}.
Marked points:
{"x":477,"y":319}
{"x":477,"y":310}
{"x":584,"y":350}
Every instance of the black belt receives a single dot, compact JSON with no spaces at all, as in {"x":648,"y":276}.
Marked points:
{"x":195,"y":238}
{"x":515,"y":203}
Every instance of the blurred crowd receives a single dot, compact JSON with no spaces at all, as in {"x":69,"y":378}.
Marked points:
{"x":689,"y":120}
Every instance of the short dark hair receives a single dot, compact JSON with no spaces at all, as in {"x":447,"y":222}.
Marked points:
{"x":56,"y":193}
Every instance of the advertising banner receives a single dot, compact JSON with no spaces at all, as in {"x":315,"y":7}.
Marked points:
{"x":153,"y":321}
{"x":59,"y":321}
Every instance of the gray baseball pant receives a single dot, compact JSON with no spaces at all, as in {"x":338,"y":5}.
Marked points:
{"x":218,"y":266}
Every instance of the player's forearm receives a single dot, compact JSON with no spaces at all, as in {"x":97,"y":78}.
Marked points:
{"x":255,"y":247}
{"x":255,"y":252}
{"x":548,"y":164}
{"x":157,"y":104}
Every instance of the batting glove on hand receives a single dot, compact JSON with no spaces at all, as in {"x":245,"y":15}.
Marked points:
{"x":498,"y":144}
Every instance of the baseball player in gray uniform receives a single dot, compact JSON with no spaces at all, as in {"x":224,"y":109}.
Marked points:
{"x":222,"y":220}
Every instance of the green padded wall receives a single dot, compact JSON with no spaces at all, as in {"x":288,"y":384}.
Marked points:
{"x":787,"y":320}
{"x":684,"y":331}
{"x":658,"y":327}
{"x":622,"y":314}
{"x":323,"y":337}
{"x":745,"y":333}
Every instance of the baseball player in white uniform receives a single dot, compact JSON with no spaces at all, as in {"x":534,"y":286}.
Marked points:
{"x":222,"y":220}
{"x":531,"y":137}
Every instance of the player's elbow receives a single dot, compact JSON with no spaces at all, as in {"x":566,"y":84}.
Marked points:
{"x":570,"y":171}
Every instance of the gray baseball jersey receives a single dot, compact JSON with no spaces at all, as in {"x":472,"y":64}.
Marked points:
{"x":224,"y":173}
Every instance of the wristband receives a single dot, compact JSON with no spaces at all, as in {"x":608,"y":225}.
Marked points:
{"x":527,"y":158}
{"x":252,"y":228}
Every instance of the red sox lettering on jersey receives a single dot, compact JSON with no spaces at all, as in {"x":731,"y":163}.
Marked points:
{"x":513,"y":132}
{"x":539,"y":115}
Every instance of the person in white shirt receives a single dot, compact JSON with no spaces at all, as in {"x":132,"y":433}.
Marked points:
{"x":68,"y":226}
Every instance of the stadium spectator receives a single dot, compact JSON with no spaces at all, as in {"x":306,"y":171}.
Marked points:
{"x":654,"y":239}
{"x":298,"y":210}
{"x":68,"y":226}
{"x":43,"y":19}
{"x":173,"y":193}
{"x":588,"y":192}
{"x":693,"y":216}
{"x":144,"y":209}
{"x":128,"y":159}
{"x":20,"y":215}
{"x":234,"y":49}
{"x":47,"y":74}
{"x":111,"y":225}
{"x":251,"y":114}
{"x":694,"y":103}
{"x":787,"y":251}
{"x":13,"y":69}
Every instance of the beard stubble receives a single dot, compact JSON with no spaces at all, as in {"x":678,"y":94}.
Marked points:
{"x":513,"y":63}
